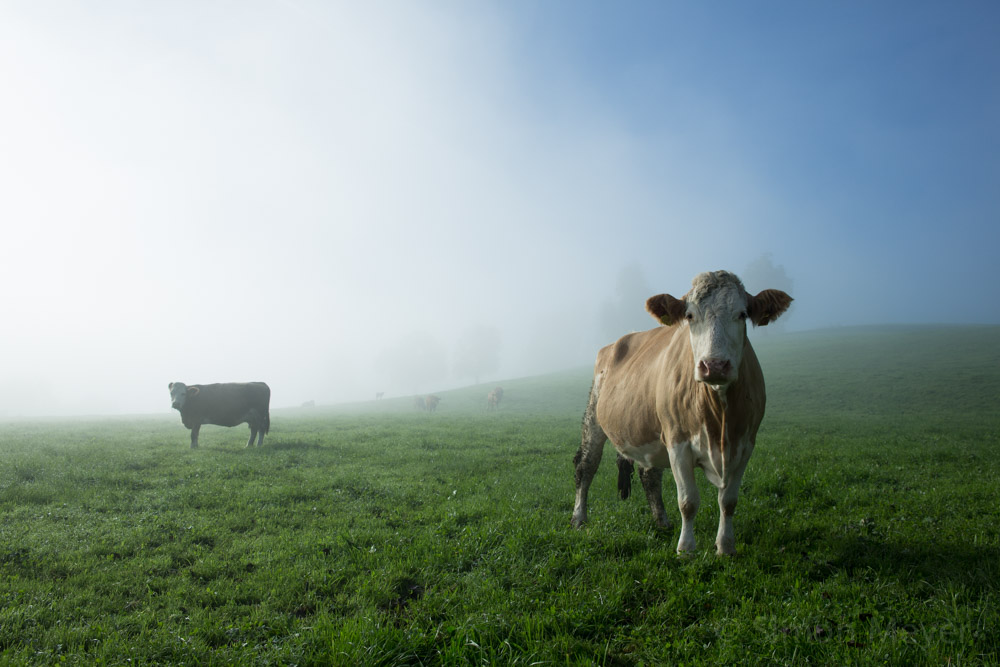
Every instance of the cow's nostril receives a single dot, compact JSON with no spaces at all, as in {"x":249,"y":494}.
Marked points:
{"x":714,"y":368}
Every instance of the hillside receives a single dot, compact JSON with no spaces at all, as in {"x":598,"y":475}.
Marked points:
{"x":948,"y":371}
{"x":378,"y":534}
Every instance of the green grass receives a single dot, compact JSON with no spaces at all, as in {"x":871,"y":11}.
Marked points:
{"x":868,"y":530}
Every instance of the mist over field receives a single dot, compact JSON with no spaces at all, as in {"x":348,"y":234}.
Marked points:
{"x":340,"y":199}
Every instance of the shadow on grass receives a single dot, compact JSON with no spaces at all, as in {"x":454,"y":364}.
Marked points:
{"x":940,"y":563}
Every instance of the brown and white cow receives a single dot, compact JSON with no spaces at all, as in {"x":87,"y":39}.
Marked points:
{"x":685,"y":395}
{"x":431,"y":402}
{"x":225,"y":404}
{"x":493,"y":398}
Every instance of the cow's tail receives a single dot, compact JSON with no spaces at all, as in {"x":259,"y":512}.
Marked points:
{"x":267,"y":410}
{"x":625,"y":469}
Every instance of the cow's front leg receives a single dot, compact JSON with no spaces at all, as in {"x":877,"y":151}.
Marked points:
{"x":652,"y":484}
{"x":682,"y":466}
{"x":194,"y":436}
{"x":725,"y":541}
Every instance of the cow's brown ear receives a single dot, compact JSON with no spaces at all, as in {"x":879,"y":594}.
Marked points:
{"x":767,"y":306}
{"x":666,"y":309}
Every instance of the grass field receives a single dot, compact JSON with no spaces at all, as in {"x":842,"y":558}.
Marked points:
{"x":868,"y":529}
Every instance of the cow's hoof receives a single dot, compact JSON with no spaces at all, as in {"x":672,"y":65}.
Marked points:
{"x":662,"y":524}
{"x":725,"y":547}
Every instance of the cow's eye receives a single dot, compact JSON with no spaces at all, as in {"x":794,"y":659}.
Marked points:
{"x":743,"y":315}
{"x":689,"y":317}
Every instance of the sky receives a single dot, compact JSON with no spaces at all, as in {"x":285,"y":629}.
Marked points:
{"x":340,"y":198}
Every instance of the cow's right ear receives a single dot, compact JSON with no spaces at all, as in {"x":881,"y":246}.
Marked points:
{"x":170,"y":386}
{"x":192,"y":391}
{"x":666,"y":309}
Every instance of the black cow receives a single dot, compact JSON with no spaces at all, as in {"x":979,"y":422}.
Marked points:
{"x":225,"y":404}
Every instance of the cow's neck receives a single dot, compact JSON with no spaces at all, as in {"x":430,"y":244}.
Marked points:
{"x":717,"y":407}
{"x":717,"y":424}
{"x":717,"y":398}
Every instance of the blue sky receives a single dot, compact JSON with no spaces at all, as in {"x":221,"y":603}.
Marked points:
{"x":870,"y":127}
{"x":297,"y":191}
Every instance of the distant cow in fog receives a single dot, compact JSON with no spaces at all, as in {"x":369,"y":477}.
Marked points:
{"x":493,"y":398}
{"x":379,"y":395}
{"x":309,"y":404}
{"x":226,"y":404}
{"x":431,"y":402}
{"x":419,"y":403}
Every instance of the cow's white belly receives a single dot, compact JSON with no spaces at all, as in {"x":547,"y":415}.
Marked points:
{"x":649,"y":455}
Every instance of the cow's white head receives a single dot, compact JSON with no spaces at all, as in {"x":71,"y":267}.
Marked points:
{"x":179,"y":393}
{"x":716,"y":311}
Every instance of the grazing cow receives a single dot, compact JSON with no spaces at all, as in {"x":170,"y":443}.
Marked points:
{"x":379,"y":395}
{"x":688,"y":394}
{"x":493,"y":398}
{"x":226,"y":404}
{"x":432,"y":402}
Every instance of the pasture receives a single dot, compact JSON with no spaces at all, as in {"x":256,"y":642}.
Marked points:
{"x":868,"y":529}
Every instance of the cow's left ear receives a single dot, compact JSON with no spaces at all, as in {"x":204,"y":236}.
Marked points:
{"x":767,"y":306}
{"x":192,"y":391}
{"x":666,"y":309}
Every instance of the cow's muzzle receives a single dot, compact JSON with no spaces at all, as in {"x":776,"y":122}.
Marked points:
{"x":175,"y":405}
{"x":715,"y":371}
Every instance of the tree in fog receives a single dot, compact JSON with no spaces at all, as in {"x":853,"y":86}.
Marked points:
{"x":762,"y":274}
{"x":415,"y":363}
{"x":626,"y":310}
{"x":477,"y":353}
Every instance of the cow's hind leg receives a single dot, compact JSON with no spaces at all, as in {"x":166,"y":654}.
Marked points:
{"x":254,"y":421}
{"x":652,"y":484}
{"x":588,"y":458}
